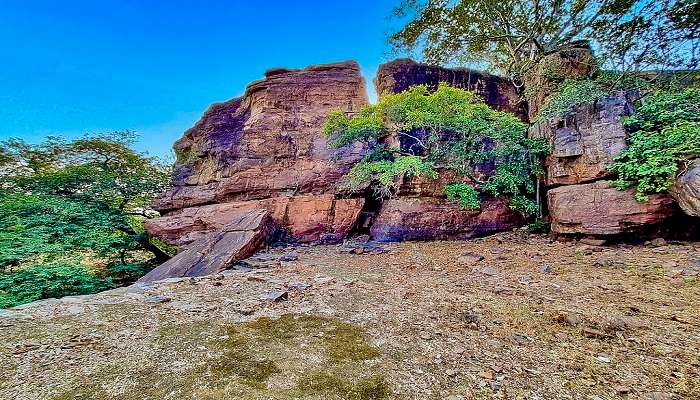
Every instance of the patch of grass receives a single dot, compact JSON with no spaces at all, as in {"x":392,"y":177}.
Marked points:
{"x":372,"y":388}
{"x":343,"y":341}
{"x":238,"y":360}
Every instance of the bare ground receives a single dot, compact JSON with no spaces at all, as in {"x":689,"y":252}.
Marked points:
{"x":534,"y":319}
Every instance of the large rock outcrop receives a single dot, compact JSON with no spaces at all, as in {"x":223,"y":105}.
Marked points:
{"x":686,"y":189}
{"x":398,"y":75}
{"x":240,"y":238}
{"x":598,"y":209}
{"x":267,"y":150}
{"x":585,"y":141}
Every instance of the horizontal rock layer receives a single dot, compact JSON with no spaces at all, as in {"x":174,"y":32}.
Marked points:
{"x":428,"y":218}
{"x":398,"y":75}
{"x":306,"y":218}
{"x":598,"y":209}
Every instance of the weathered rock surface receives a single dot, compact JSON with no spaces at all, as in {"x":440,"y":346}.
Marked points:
{"x":598,"y":209}
{"x":686,"y":189}
{"x":269,"y":142}
{"x":541,"y":82}
{"x":398,"y":75}
{"x":305,"y":218}
{"x":266,"y":150}
{"x":585,"y":141}
{"x":241,"y":237}
{"x":428,"y":218}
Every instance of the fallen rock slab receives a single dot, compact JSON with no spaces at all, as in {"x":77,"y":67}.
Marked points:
{"x":217,"y":251}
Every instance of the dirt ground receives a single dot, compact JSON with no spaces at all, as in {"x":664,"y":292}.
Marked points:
{"x":533,"y":319}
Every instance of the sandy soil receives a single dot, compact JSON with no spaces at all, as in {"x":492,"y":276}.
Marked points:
{"x":533,"y":319}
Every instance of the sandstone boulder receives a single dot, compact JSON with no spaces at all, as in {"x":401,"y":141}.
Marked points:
{"x":306,"y":218}
{"x":598,"y":209}
{"x":398,"y":75}
{"x":686,"y":189}
{"x":240,"y":238}
{"x":585,"y":141}
{"x":428,"y":218}
{"x":269,"y":142}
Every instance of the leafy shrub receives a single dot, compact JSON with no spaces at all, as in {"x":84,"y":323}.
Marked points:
{"x":48,"y":281}
{"x":666,"y":134}
{"x":450,"y":128}
{"x":539,"y":227}
{"x":570,"y":93}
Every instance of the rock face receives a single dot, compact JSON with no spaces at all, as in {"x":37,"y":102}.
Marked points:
{"x":214,"y":252}
{"x":421,"y":218}
{"x":266,"y":150}
{"x":306,"y":218}
{"x":686,"y":190}
{"x":398,"y":75}
{"x":585,"y":141}
{"x":543,"y":79}
{"x":598,"y":209}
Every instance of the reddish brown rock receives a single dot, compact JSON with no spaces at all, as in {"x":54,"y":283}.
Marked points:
{"x":585,"y":141}
{"x":428,"y":218}
{"x":268,"y":142}
{"x":240,"y":237}
{"x":398,"y":75}
{"x":306,"y":218}
{"x":542,"y":80}
{"x":598,"y":209}
{"x":686,"y":189}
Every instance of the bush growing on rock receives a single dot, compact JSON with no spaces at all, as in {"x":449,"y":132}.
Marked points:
{"x":418,"y":133}
{"x":665,"y":137}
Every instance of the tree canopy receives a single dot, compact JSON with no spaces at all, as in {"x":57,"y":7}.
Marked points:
{"x":511,"y":36}
{"x":68,"y":205}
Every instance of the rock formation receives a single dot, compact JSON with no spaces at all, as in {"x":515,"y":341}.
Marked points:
{"x":598,"y":209}
{"x":398,"y":75}
{"x":686,"y":190}
{"x":542,"y":81}
{"x":238,"y":239}
{"x":421,"y":218}
{"x":585,"y":141}
{"x":266,"y":150}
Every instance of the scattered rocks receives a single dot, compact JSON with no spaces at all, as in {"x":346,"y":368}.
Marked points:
{"x":546,"y":268}
{"x":567,"y":318}
{"x":157,"y":299}
{"x":288,"y":257}
{"x":490,"y":271}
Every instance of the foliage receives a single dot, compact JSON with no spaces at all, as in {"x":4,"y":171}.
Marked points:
{"x":77,"y":203}
{"x":466,"y":195}
{"x":666,"y":134}
{"x":450,"y":128}
{"x":539,"y":227}
{"x":41,"y":281}
{"x":570,"y":93}
{"x":511,"y":36}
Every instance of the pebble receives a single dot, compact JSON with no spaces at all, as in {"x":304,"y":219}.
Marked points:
{"x":275,"y":296}
{"x":158,"y":299}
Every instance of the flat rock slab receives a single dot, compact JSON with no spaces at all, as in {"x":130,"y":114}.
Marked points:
{"x":239,"y":239}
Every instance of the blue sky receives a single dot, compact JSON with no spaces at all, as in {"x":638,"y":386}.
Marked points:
{"x":74,"y":67}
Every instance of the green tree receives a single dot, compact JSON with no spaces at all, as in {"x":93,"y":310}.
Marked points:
{"x":76,"y":206}
{"x":511,"y":36}
{"x":417,"y":133}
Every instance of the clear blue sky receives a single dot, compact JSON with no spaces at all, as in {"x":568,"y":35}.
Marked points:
{"x":71,"y":67}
